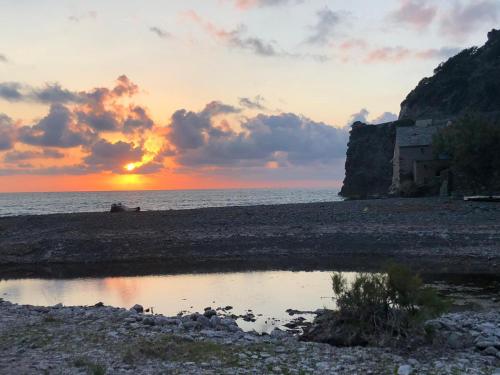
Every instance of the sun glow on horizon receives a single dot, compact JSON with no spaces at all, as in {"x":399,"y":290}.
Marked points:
{"x":130,"y":167}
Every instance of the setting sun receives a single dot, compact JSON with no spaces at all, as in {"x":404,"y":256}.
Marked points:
{"x":130,"y":167}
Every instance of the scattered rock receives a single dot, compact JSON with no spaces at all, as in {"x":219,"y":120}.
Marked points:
{"x":148,"y":321}
{"x":138,"y":308}
{"x":209,"y":313}
{"x":491,"y":350}
{"x":93,"y":337}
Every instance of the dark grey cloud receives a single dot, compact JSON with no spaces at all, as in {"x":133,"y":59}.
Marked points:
{"x":50,"y":93}
{"x":57,"y":129}
{"x":255,"y":103}
{"x":100,"y":121}
{"x":325,"y":27}
{"x":16,"y":156}
{"x":238,"y":38}
{"x":188,"y":130}
{"x":29,"y":169}
{"x":7,"y":132}
{"x":79,"y":125}
{"x":160,"y":32}
{"x":138,"y":119}
{"x":54,"y":93}
{"x":280,"y":140}
{"x":103,"y":157}
{"x":415,"y":13}
{"x":256,"y":45}
{"x":263,"y":48}
{"x":11,"y":91}
{"x":106,"y":156}
{"x":100,"y":111}
{"x":215,"y":108}
{"x":466,"y":17}
{"x":125,"y":87}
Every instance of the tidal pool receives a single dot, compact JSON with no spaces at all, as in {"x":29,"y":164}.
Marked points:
{"x":268,"y":294}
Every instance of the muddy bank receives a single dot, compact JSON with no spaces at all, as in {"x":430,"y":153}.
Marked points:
{"x":430,"y":234}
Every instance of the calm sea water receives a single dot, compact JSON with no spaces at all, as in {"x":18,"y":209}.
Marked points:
{"x":49,"y":203}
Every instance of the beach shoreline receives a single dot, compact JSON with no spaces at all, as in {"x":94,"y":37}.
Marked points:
{"x":429,"y":234}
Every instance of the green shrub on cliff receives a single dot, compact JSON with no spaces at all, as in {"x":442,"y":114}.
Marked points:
{"x":473,"y":144}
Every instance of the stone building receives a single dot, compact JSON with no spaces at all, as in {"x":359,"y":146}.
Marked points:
{"x":414,"y":158}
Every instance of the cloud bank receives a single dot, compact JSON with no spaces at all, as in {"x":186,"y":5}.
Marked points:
{"x":110,"y":134}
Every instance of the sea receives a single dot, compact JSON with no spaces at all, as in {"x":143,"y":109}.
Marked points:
{"x":12,"y":204}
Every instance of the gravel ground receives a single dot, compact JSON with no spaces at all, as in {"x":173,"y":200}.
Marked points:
{"x":433,"y":234}
{"x":107,"y":340}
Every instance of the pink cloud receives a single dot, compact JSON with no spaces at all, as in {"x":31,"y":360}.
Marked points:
{"x":416,"y":13}
{"x":351,"y":49}
{"x":250,"y":4}
{"x":353,"y":44}
{"x":388,"y":54}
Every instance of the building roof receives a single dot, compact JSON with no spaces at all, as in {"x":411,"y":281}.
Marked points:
{"x":409,"y":136}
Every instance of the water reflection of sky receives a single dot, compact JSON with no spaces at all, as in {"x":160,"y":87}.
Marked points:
{"x":269,"y":293}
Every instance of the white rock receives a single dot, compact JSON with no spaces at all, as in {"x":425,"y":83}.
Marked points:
{"x":404,"y":370}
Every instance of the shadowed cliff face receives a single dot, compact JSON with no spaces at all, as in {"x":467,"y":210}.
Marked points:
{"x":467,"y":82}
{"x":369,"y":160}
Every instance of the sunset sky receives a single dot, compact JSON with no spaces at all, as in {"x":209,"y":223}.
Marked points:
{"x":114,"y":95}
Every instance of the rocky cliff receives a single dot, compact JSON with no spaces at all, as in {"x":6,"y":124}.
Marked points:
{"x":467,"y":82}
{"x":369,"y":160}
